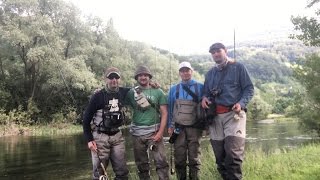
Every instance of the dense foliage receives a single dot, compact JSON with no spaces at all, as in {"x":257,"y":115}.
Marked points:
{"x":52,"y":57}
{"x":308,"y":71}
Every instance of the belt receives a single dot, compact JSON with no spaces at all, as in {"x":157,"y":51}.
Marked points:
{"x":109,"y":133}
{"x":220,"y":109}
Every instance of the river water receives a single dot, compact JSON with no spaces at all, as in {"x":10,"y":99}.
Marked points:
{"x":67,"y":157}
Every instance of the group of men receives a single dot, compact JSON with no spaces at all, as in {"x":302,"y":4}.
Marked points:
{"x":227,"y":87}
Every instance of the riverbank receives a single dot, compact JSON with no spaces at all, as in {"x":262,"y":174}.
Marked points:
{"x":300,"y":163}
{"x":50,"y":129}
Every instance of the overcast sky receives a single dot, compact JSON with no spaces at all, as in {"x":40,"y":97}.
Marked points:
{"x":191,"y":26}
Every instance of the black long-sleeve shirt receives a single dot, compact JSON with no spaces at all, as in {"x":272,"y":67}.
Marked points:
{"x":98,"y":101}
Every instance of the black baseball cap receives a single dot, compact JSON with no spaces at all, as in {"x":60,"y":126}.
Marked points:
{"x":216,"y":46}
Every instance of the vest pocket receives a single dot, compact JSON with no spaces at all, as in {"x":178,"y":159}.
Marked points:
{"x":184,"y":112}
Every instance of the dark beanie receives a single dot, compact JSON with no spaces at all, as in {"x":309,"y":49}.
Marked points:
{"x":142,"y":70}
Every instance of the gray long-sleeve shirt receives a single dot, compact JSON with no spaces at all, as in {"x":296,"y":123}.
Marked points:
{"x":235,"y":87}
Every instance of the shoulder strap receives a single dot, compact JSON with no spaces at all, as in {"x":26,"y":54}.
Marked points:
{"x":177,"y":90}
{"x":194,"y":96}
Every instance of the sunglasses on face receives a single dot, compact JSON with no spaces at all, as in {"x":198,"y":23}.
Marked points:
{"x":113,"y":76}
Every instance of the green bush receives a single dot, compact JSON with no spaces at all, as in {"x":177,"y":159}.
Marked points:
{"x":19,"y":116}
{"x":4,"y":118}
{"x":69,"y":115}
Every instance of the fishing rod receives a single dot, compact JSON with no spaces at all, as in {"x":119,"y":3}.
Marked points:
{"x":152,"y":146}
{"x":61,"y":73}
{"x":172,"y":171}
{"x":59,"y":68}
{"x":105,"y":175}
{"x":234,"y":43}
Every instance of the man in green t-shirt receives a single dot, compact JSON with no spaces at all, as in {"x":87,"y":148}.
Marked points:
{"x":148,"y":124}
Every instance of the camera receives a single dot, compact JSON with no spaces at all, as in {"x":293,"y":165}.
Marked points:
{"x":174,"y":135}
{"x":211,"y":111}
{"x":112,"y":119}
{"x":215,"y":92}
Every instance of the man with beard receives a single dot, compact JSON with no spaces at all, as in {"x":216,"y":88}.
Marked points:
{"x":229,"y":86}
{"x":148,"y":125}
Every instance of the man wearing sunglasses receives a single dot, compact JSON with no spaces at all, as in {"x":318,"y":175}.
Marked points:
{"x":229,"y":86}
{"x":102,"y":119}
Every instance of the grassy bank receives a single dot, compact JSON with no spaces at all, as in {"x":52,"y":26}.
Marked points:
{"x":281,"y":118}
{"x":301,"y":163}
{"x":40,"y":130}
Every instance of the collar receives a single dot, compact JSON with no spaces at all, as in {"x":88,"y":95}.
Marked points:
{"x":111,"y":90}
{"x":189,"y":82}
{"x":224,"y":64}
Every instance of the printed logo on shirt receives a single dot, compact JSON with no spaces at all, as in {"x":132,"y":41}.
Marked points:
{"x":114,"y":105}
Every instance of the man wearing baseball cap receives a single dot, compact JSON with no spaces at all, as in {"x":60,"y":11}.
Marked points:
{"x":102,"y":119}
{"x":228,"y":85}
{"x":183,"y":99}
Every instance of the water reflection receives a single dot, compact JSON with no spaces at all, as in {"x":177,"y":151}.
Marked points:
{"x":274,"y":137}
{"x":43,"y":158}
{"x":68,"y":157}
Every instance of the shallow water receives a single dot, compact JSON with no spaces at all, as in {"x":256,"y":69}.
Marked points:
{"x":67,"y":157}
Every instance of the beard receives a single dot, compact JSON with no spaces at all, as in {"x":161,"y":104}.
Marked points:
{"x":220,"y":60}
{"x":143,"y":82}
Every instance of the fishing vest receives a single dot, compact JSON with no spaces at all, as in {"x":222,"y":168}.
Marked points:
{"x":111,"y":117}
{"x":185,"y":111}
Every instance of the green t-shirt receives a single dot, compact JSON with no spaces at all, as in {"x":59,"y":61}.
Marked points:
{"x":151,"y":115}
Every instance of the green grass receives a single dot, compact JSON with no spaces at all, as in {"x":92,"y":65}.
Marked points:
{"x":56,"y":129}
{"x":301,"y":163}
{"x":40,"y":130}
{"x":281,"y":118}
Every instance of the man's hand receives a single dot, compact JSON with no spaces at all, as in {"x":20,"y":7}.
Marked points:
{"x":236,"y":108}
{"x":92,"y":146}
{"x":154,"y":85}
{"x":170,"y":131}
{"x":96,"y":90}
{"x":157,"y":137}
{"x":205,"y":103}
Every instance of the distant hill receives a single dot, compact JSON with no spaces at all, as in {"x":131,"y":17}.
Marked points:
{"x":268,"y":61}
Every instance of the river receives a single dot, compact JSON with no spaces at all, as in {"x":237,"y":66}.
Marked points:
{"x":67,"y":157}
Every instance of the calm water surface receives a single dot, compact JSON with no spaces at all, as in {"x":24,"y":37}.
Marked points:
{"x":53,"y":158}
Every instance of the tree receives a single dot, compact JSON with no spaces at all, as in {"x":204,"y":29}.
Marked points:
{"x":42,"y":39}
{"x":308,"y":72}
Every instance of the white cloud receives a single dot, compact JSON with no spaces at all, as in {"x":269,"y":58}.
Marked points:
{"x":190,"y":26}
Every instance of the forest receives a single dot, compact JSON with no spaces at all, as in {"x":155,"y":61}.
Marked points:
{"x":52,"y":58}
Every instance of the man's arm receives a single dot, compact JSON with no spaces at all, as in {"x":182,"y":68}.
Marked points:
{"x":171,"y":99}
{"x":163,"y":122}
{"x":246,"y":87}
{"x":88,"y":115}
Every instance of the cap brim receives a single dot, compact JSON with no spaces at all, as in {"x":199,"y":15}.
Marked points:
{"x":186,"y":67}
{"x":113,"y":73}
{"x":136,"y":76}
